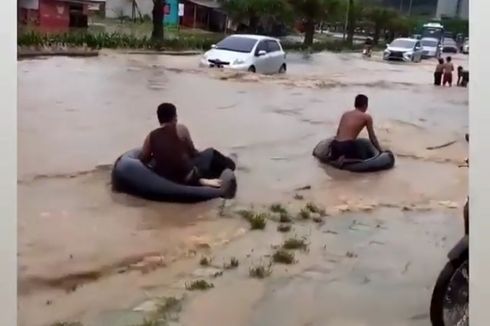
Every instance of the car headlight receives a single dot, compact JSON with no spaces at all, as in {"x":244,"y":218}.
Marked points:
{"x":238,"y":62}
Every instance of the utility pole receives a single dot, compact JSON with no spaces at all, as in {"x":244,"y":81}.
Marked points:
{"x":410,"y":8}
{"x":401,"y":6}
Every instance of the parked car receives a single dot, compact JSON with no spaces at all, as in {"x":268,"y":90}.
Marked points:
{"x":466,"y":47}
{"x":404,"y":49}
{"x":254,"y":53}
{"x":449,"y":46}
{"x":431,"y":48}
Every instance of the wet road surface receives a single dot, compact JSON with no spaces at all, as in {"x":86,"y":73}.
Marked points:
{"x":77,"y":115}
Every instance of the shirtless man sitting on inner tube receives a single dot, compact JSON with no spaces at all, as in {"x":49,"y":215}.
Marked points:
{"x":351,"y":124}
{"x":172,"y":151}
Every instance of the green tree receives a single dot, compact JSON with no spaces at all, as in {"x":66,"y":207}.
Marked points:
{"x":158,"y":15}
{"x":354,"y":15}
{"x":258,"y":13}
{"x":381,"y":19}
{"x":403,"y":26}
{"x":312,"y":12}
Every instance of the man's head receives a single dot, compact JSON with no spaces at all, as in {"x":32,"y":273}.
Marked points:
{"x":167,"y":113}
{"x":448,"y":59}
{"x":441,"y":61}
{"x":361,"y":102}
{"x":460,"y":69}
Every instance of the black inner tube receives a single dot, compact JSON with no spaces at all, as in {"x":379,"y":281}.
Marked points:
{"x":371,"y":160}
{"x":131,"y":176}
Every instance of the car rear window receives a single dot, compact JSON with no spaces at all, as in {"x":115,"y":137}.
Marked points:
{"x":237,"y":44}
{"x":430,"y":43}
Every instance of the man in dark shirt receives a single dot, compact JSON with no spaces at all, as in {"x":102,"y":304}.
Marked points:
{"x":172,"y":153}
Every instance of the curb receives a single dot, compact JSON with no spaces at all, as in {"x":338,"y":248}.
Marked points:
{"x":35,"y":54}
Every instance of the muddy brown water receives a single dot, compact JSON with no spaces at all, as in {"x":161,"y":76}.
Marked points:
{"x":77,"y":115}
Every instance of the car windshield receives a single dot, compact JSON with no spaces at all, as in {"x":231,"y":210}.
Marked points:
{"x":429,"y":43}
{"x":237,"y":44}
{"x":403,"y":44}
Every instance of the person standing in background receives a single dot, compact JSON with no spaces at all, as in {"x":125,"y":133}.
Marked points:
{"x":448,"y":72}
{"x":438,"y":73}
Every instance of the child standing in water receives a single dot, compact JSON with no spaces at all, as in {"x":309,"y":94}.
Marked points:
{"x":438,"y":73}
{"x":448,"y":73}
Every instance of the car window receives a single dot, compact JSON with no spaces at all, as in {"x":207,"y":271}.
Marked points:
{"x":237,"y":44}
{"x":273,"y":46}
{"x":262,"y":46}
{"x":417,"y":45}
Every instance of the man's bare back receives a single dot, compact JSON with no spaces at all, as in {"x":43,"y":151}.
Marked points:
{"x":351,"y":124}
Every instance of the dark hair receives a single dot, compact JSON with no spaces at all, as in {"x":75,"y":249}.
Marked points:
{"x":460,"y":68}
{"x":166,"y":112}
{"x":361,"y":101}
{"x":441,"y":60}
{"x":448,"y":59}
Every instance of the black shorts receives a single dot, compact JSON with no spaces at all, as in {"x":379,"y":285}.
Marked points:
{"x":347,"y":148}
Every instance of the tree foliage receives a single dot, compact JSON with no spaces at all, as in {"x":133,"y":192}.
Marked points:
{"x":381,"y":18}
{"x":258,"y":14}
{"x":312,"y":12}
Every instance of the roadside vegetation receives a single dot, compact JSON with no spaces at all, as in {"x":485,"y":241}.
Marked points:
{"x":309,"y":18}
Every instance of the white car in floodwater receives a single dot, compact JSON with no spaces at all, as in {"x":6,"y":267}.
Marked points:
{"x":404,"y":49}
{"x":431,"y":47}
{"x":253,"y":53}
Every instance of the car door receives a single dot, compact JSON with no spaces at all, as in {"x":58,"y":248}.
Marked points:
{"x":417,"y":53}
{"x":275,"y":56}
{"x":261,"y":60}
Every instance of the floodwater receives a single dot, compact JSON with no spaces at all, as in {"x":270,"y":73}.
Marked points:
{"x":77,"y":115}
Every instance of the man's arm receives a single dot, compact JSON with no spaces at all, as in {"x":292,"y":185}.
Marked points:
{"x":372,"y":135}
{"x":184,"y":134}
{"x":145,"y":155}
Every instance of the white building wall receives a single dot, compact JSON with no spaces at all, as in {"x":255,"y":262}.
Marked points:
{"x":448,"y":8}
{"x":114,"y":8}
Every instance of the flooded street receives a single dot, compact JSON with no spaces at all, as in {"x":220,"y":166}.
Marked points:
{"x":80,"y":245}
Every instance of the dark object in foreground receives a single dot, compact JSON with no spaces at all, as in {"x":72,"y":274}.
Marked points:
{"x":371,"y":159}
{"x":450,"y":297}
{"x":131,"y":176}
{"x":449,"y":303}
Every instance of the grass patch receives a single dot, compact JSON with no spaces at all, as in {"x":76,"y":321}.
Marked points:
{"x":258,"y":221}
{"x":278,"y":208}
{"x":152,"y":322}
{"x":304,"y":214}
{"x":285,"y":218}
{"x":298,"y":197}
{"x":283,"y":256}
{"x":65,"y":323}
{"x":233,"y":263}
{"x":246,"y":213}
{"x":200,"y":285}
{"x":313,"y":208}
{"x":284,"y":228}
{"x":261,"y":271}
{"x":295,"y":243}
{"x":114,"y":40}
{"x":205,"y":261}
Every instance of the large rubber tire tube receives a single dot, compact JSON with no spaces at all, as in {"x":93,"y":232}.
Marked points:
{"x":131,"y":176}
{"x":376,"y":160}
